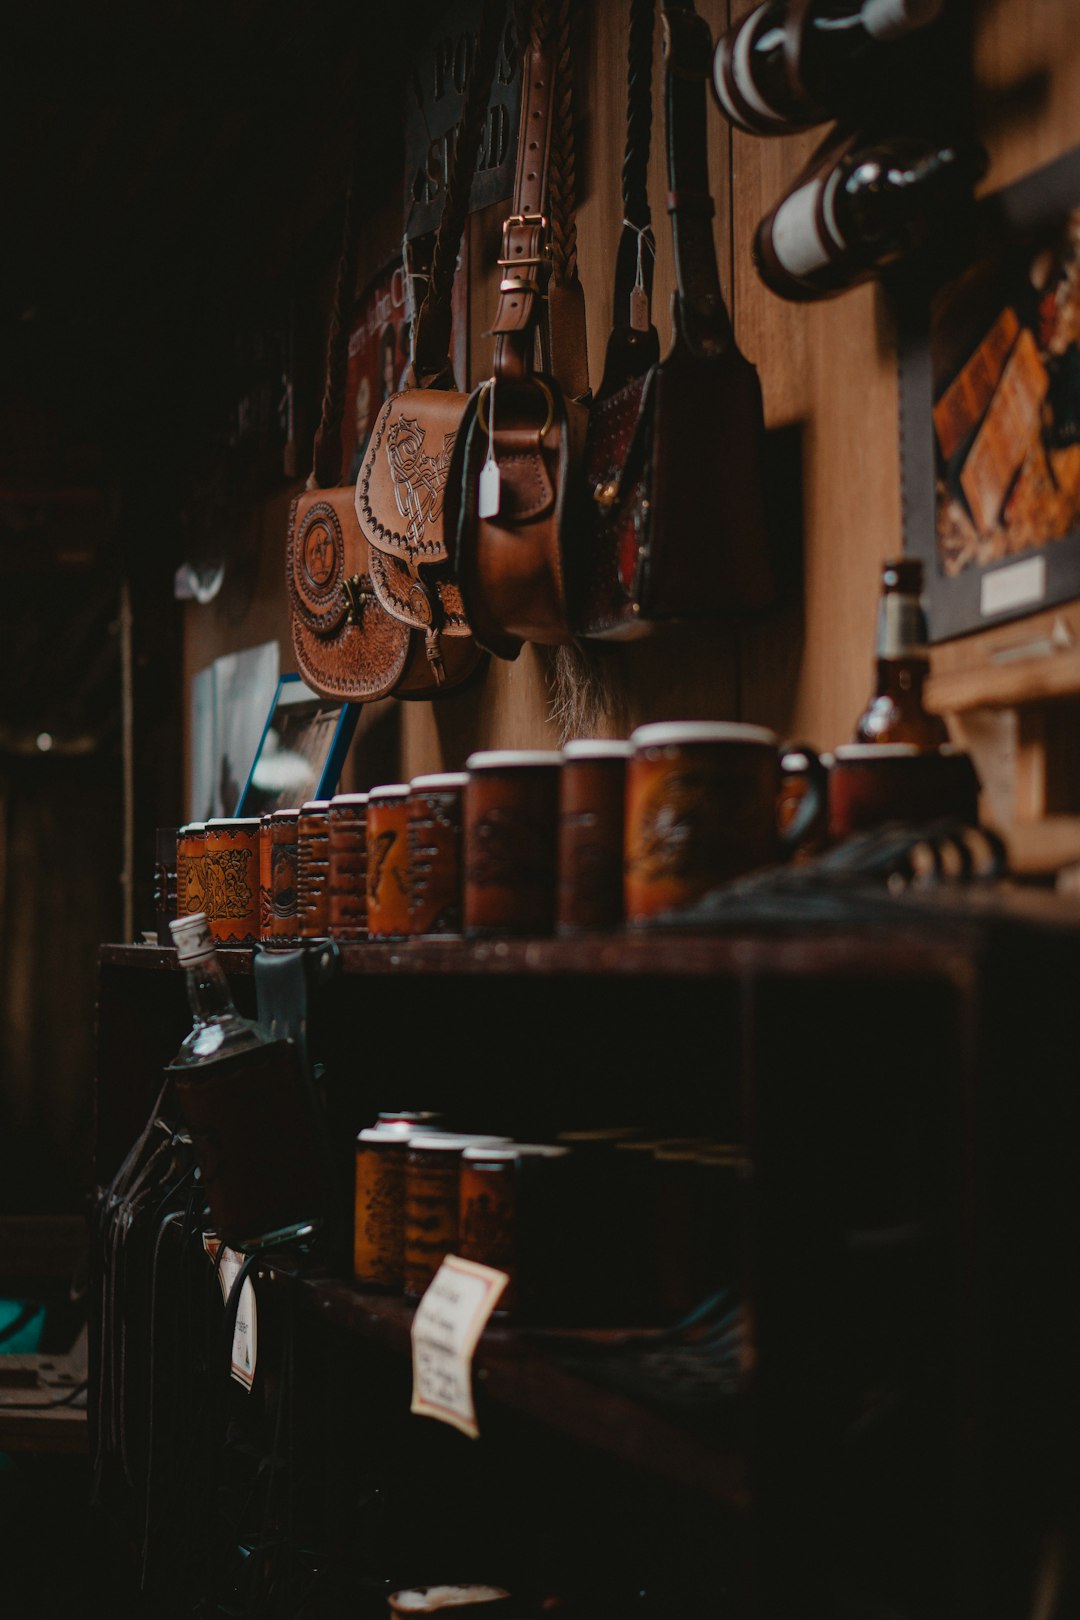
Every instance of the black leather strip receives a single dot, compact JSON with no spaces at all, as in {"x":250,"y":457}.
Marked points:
{"x":635,"y":193}
{"x":431,"y":336}
{"x":700,"y":313}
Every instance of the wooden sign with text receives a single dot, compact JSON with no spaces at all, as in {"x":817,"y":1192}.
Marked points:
{"x":435,"y":94}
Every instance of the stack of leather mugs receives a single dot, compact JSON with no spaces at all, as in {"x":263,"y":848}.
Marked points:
{"x":662,"y":1214}
{"x":522,"y":842}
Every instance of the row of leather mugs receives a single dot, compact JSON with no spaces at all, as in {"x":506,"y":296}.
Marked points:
{"x":526,"y":842}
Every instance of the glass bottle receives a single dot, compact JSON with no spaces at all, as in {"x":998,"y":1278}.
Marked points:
{"x":784,"y":68}
{"x":248,"y":1105}
{"x":219,"y":1030}
{"x":869,"y":204}
{"x":896,"y":713}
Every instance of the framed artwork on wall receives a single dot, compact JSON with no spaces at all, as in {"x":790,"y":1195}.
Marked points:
{"x":990,"y":413}
{"x":301,"y":751}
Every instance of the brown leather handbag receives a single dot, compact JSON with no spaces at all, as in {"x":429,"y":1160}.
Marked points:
{"x":676,"y":525}
{"x":401,"y":487}
{"x":513,"y":492}
{"x":347,"y":645}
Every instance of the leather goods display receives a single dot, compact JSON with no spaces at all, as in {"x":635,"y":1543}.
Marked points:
{"x":677,"y":522}
{"x":401,"y":486}
{"x":514,"y":488}
{"x":347,"y":646}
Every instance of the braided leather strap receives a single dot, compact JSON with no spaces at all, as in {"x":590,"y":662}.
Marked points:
{"x":569,"y":362}
{"x":700,"y":311}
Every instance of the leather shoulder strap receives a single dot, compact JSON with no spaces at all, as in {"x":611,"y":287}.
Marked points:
{"x":567,"y":341}
{"x":431,"y":333}
{"x":634,"y":345}
{"x":700,"y":315}
{"x":524,"y":260}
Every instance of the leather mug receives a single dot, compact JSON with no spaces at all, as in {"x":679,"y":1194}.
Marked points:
{"x":513,"y":1215}
{"x":388,"y":861}
{"x":432,"y":1202}
{"x":379,"y":1230}
{"x":283,"y":833}
{"x":346,"y":823}
{"x":190,"y":869}
{"x":266,"y":857}
{"x":313,"y":870}
{"x":231,"y":897}
{"x":592,"y":813}
{"x":511,"y":826}
{"x":874,"y":783}
{"x":701,"y":809}
{"x":435,"y":880}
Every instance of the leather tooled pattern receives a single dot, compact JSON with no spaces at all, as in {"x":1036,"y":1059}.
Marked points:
{"x":316,"y":564}
{"x":617,"y":495}
{"x":435,"y":876}
{"x":283,"y":883}
{"x":402,"y":595}
{"x":410,"y":459}
{"x":360,"y":662}
{"x":230,"y":884}
{"x":348,"y":872}
{"x":312,"y":877}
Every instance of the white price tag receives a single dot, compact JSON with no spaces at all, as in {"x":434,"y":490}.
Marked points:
{"x":487,"y":503}
{"x":245,"y":1345}
{"x":489,"y":493}
{"x":445,"y":1332}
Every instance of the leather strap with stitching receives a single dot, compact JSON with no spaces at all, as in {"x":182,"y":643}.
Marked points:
{"x":432,"y":331}
{"x":523,"y":260}
{"x":700,"y":313}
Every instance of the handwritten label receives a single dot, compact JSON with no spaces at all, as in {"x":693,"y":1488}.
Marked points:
{"x":445,"y":1332}
{"x":245,"y":1345}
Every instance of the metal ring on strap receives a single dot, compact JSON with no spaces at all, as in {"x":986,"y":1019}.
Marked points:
{"x":538,"y":382}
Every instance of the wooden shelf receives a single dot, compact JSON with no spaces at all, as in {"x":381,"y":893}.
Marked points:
{"x":513,"y":1369}
{"x":899,"y":948}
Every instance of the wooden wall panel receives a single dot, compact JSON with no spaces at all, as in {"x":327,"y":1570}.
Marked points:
{"x":828,"y":373}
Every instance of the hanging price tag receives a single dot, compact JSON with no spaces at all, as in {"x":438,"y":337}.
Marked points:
{"x":489,"y":494}
{"x":639,"y":298}
{"x":639,"y":310}
{"x":245,"y":1345}
{"x":445,"y":1332}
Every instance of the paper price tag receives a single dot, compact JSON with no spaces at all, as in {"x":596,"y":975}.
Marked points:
{"x":245,"y":1345}
{"x":487,"y":500}
{"x":445,"y":1332}
{"x":639,"y":310}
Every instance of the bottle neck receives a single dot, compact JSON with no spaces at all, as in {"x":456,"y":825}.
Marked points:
{"x":208,"y":990}
{"x":902,"y":679}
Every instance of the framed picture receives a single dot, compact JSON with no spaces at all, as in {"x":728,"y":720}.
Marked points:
{"x":301,"y":752}
{"x":990,"y":413}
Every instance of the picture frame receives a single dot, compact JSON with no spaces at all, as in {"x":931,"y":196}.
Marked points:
{"x":301,"y":751}
{"x":990,"y":412}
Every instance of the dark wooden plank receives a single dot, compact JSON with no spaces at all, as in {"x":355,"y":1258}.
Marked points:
{"x":511,"y":1369}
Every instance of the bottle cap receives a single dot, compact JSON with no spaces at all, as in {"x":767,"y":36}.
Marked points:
{"x":191,"y":936}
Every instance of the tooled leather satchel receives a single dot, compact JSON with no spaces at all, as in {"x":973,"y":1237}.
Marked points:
{"x":401,"y":487}
{"x":513,"y":493}
{"x":347,"y":645}
{"x":677,"y":522}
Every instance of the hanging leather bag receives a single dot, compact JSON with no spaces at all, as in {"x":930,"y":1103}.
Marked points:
{"x":400,"y":490}
{"x":347,"y":645}
{"x":514,"y":489}
{"x":676,"y":525}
